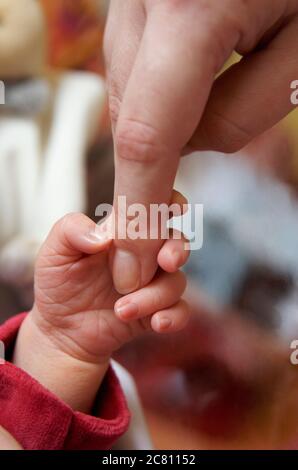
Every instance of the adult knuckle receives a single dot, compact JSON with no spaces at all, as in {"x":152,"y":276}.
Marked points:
{"x":138,"y":141}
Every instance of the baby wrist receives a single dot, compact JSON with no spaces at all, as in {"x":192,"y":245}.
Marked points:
{"x":74,"y":381}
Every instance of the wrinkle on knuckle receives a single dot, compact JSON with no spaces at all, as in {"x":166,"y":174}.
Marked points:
{"x":138,"y":141}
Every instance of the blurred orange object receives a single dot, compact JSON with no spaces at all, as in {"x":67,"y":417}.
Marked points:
{"x":75,"y":34}
{"x":75,"y":40}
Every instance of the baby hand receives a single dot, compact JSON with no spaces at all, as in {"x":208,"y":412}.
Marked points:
{"x":73,"y":320}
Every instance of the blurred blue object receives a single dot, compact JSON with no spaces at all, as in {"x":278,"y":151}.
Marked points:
{"x":219,"y":267}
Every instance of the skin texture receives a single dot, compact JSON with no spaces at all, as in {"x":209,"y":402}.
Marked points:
{"x":162,"y":60}
{"x":7,"y":442}
{"x":75,"y":325}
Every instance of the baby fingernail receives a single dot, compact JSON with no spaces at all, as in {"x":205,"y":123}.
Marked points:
{"x":126,"y":271}
{"x":96,"y":237}
{"x":164,"y":323}
{"x":127,"y":311}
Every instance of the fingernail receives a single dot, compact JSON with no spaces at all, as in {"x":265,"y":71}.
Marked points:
{"x":96,"y":237}
{"x":126,"y":271}
{"x":164,"y":323}
{"x":127,"y":311}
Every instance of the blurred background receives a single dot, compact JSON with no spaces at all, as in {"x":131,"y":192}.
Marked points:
{"x":227,"y":380}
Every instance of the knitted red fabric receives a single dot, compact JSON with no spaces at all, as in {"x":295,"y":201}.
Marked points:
{"x":39,"y":420}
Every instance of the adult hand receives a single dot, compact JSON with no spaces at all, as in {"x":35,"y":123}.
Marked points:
{"x":162,"y":59}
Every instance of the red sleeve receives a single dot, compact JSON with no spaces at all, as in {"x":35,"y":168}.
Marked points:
{"x":39,"y":420}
